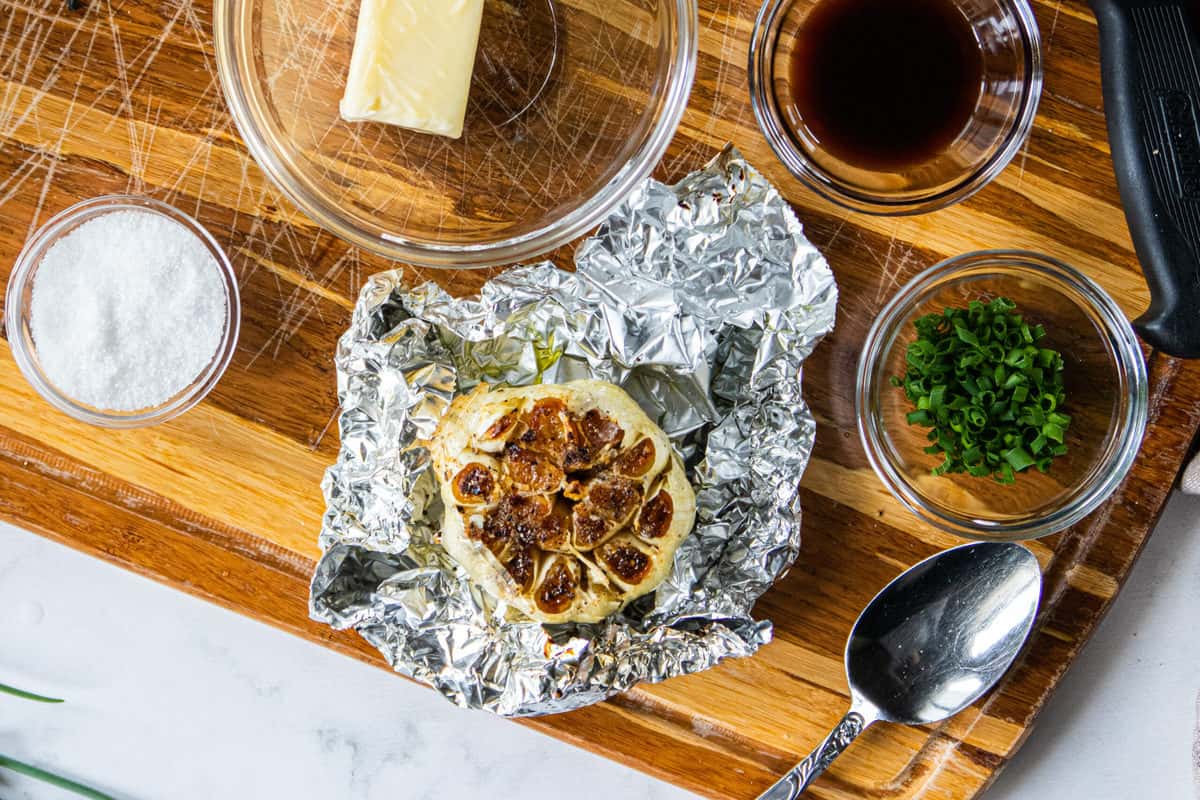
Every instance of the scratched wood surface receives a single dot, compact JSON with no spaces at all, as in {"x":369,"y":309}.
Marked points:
{"x":123,"y":96}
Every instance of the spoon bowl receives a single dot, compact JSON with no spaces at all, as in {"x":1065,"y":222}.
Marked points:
{"x":934,"y":641}
{"x":939,"y":636}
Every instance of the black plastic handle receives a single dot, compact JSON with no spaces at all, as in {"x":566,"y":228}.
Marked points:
{"x":1150,"y":64}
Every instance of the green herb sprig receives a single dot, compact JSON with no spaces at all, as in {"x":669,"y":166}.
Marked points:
{"x":990,"y":395}
{"x":52,"y":779}
{"x":7,"y":762}
{"x":37,"y":698}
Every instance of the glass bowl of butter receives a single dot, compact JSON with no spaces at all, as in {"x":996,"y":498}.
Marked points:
{"x":457,"y":133}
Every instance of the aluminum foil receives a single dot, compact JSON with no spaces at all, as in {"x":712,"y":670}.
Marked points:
{"x":702,"y":300}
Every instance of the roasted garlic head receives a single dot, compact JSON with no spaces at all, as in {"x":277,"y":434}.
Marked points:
{"x":564,"y":500}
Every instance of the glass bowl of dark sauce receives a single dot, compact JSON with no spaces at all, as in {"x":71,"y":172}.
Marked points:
{"x":896,"y":106}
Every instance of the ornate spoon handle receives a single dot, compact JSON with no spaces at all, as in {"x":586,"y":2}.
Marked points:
{"x":793,"y":784}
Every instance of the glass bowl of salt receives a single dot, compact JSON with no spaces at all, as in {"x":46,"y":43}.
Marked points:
{"x":122,"y":311}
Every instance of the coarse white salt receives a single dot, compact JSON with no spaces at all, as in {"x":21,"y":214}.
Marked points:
{"x":127,"y":310}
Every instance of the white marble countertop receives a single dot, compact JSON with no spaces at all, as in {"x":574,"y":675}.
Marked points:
{"x":170,"y":697}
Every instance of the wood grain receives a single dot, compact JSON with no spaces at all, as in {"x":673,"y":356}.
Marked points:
{"x":224,"y":502}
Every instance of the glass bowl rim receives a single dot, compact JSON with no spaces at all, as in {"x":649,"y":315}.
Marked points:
{"x":773,"y":127}
{"x":1130,"y":364}
{"x":23,"y":348}
{"x":585,"y":216}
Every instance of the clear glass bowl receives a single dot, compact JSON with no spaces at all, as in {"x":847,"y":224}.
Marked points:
{"x":1106,"y":394}
{"x":572,"y":104}
{"x":19,"y":297}
{"x":1010,"y":46}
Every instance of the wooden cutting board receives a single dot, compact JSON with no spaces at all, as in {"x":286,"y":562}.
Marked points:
{"x":224,"y":502}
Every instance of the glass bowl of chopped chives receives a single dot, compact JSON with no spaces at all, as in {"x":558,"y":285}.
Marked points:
{"x":122,"y":311}
{"x":1001,"y":395}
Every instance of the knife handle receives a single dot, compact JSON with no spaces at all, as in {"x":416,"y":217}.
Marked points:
{"x":1151,"y":81}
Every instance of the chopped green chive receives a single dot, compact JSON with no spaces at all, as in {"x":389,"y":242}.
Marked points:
{"x":990,"y":395}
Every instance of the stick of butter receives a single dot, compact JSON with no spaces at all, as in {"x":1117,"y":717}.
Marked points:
{"x":412,"y":64}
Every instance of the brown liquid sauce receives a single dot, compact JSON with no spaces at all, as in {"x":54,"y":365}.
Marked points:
{"x":885,"y":85}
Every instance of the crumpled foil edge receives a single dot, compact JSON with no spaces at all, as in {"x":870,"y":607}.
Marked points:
{"x":702,"y":300}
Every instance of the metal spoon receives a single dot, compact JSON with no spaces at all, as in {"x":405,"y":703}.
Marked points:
{"x":930,"y":644}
